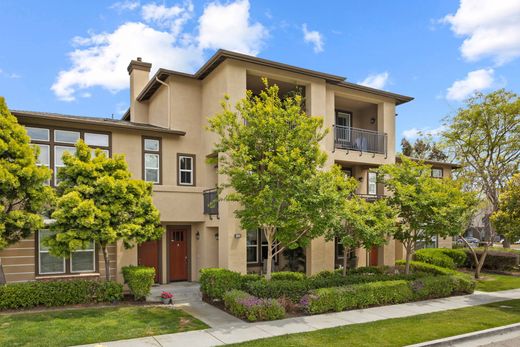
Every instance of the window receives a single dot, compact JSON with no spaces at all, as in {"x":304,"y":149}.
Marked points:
{"x":186,"y":175}
{"x":347,"y":172}
{"x":66,"y":136}
{"x":83,"y":260}
{"x":59,"y":151}
{"x":152,"y":160}
{"x":372,"y":183}
{"x":437,"y":172}
{"x":252,"y":246}
{"x":340,"y":249}
{"x":47,"y":263}
{"x":38,"y":134}
{"x":96,"y":140}
{"x":343,"y":124}
{"x":54,"y":142}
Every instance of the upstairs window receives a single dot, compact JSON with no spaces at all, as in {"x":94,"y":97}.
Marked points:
{"x":152,"y":160}
{"x":186,"y":165}
{"x":437,"y":172}
{"x":372,"y":183}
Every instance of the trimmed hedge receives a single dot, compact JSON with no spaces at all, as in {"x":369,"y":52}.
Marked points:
{"x":139,"y":279}
{"x":215,"y":282}
{"x":58,"y":293}
{"x":496,"y":259}
{"x":357,"y":296}
{"x":293,"y":290}
{"x":443,"y":257}
{"x":420,"y":267}
{"x":247,"y":306}
{"x":287,"y":276}
{"x":384,"y":293}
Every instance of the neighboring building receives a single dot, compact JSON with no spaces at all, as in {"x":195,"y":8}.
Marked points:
{"x":164,"y":139}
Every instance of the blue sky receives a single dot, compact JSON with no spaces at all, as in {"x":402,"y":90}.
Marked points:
{"x":71,"y":56}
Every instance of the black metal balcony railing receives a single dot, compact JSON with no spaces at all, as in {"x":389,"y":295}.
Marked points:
{"x":371,"y":197}
{"x":210,"y":201}
{"x":360,"y":140}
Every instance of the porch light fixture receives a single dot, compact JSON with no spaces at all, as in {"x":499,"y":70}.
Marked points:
{"x":216,"y":236}
{"x":360,"y":178}
{"x":197,"y":235}
{"x":238,"y":235}
{"x":372,"y":120}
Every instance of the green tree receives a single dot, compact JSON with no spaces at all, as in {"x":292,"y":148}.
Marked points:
{"x":485,"y":137}
{"x":366,"y":224}
{"x":269,"y":150}
{"x":99,"y":202}
{"x":506,"y":219}
{"x":423,"y":148}
{"x":23,"y":192}
{"x":427,"y":207}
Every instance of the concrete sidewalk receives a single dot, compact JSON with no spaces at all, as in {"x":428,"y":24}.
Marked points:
{"x":233,"y":330}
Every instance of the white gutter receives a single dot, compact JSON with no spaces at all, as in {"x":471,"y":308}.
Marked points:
{"x":169,"y":96}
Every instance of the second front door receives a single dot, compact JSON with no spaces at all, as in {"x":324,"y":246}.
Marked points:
{"x":178,"y":253}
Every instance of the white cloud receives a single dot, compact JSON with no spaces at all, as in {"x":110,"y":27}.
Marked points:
{"x":474,"y":81}
{"x":377,"y":81}
{"x":228,"y":26}
{"x":313,"y":37}
{"x":491,"y":29}
{"x":11,"y":75}
{"x":414,"y":133}
{"x":101,"y":59}
{"x":125,"y":5}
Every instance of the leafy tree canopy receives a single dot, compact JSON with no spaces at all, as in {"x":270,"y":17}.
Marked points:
{"x":423,"y":148}
{"x":98,"y":201}
{"x":269,"y":149}
{"x":23,"y":192}
{"x":507,"y":218}
{"x":426,"y":206}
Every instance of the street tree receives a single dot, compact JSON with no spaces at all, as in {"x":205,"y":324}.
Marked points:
{"x":269,"y":150}
{"x":99,"y":202}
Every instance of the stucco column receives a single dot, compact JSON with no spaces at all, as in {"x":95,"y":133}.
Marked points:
{"x":386,"y":254}
{"x":386,"y":124}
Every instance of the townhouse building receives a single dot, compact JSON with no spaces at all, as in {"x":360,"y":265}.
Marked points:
{"x":164,"y":138}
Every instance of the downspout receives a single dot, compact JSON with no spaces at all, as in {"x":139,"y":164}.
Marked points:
{"x":169,"y":97}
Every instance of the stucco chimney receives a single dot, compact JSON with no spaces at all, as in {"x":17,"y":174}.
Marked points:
{"x":139,"y":72}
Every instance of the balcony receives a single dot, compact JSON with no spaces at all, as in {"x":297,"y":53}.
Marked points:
{"x":371,"y":197}
{"x":361,"y":140}
{"x":210,"y":202}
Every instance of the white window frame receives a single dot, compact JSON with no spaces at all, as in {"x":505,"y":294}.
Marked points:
{"x":348,"y":117}
{"x":186,"y":170}
{"x":251,"y":246}
{"x":93,"y":250}
{"x":47,"y":139}
{"x":372,"y":184}
{"x":40,"y":258}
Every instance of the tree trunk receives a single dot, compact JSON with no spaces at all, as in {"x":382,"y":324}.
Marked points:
{"x":480,"y":263}
{"x":407,"y":265}
{"x":506,"y":243}
{"x":107,"y":262}
{"x":269,"y":266}
{"x":345,"y":261}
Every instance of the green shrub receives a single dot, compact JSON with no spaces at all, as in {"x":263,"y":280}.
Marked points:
{"x":287,"y":276}
{"x":58,"y":293}
{"x":139,"y":279}
{"x":457,"y":255}
{"x":420,"y":267}
{"x":357,"y":296}
{"x":246,"y":306}
{"x":463,"y":284}
{"x":316,"y":282}
{"x":293,"y":290}
{"x":214,"y":282}
{"x":378,"y":270}
{"x":496,"y":259}
{"x":434,"y":256}
{"x":431,"y":287}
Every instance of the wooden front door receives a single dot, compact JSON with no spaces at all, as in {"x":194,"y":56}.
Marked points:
{"x":178,"y":251}
{"x":374,"y":256}
{"x":148,"y":254}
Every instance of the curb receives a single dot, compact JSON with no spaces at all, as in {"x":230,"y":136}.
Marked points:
{"x":453,"y":340}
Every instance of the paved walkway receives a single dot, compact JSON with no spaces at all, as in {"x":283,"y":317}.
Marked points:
{"x":226,"y":329}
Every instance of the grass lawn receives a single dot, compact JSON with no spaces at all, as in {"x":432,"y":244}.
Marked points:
{"x":493,"y":283}
{"x":90,"y":325}
{"x":404,"y":331}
